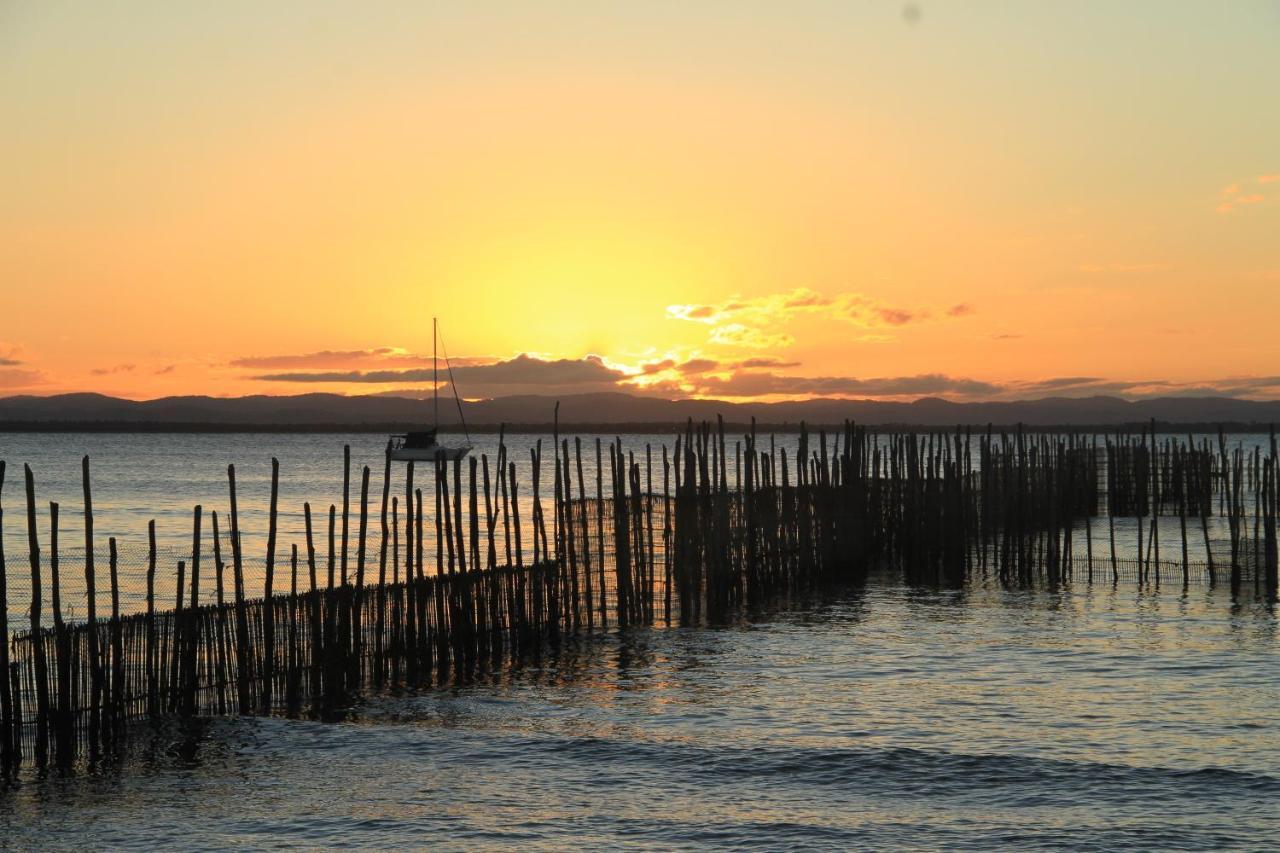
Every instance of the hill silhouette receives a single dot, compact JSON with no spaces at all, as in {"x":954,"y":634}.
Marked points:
{"x":333,"y":411}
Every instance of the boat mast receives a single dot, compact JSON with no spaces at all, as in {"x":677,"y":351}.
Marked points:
{"x":435,"y":371}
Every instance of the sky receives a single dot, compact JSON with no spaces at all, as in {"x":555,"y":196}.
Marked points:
{"x":740,"y":200}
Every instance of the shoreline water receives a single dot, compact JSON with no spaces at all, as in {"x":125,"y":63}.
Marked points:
{"x":886,"y":717}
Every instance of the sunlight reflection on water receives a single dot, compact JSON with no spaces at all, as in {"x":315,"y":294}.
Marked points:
{"x":891,"y":717}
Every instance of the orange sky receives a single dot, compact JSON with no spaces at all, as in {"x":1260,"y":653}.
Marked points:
{"x":969,"y":200}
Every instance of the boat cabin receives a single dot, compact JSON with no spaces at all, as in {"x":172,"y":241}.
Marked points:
{"x":417,"y":440}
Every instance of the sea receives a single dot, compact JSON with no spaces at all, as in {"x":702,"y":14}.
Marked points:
{"x":882,"y":717}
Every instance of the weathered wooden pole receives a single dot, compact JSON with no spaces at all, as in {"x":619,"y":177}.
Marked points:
{"x":357,"y":640}
{"x":380,"y":615}
{"x":117,"y":646}
{"x":178,"y":636}
{"x":37,"y":643}
{"x":1182,"y":524}
{"x":91,"y":615}
{"x":586,"y":536}
{"x":192,"y":645}
{"x":442,"y":626}
{"x":15,"y":722}
{"x":153,"y":681}
{"x":1272,"y":549}
{"x":600,"y":537}
{"x":568,"y":550}
{"x":244,"y":655}
{"x":64,"y":715}
{"x":424,"y":591}
{"x":515,"y":514}
{"x":320,"y":633}
{"x":311,"y":547}
{"x":346,"y":508}
{"x":329,"y":626}
{"x":491,"y":564}
{"x":268,"y":592}
{"x":409,"y":614}
{"x":8,"y":732}
{"x":475,"y":606}
{"x":332,"y":550}
{"x":55,"y":591}
{"x":501,"y":473}
{"x":293,"y":677}
{"x":667,"y":532}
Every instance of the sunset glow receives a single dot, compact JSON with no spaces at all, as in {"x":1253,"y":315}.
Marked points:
{"x":974,"y":200}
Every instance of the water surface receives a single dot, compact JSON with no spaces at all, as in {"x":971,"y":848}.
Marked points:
{"x":890,"y":718}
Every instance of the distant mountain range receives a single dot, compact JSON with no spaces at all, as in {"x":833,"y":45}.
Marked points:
{"x":308,"y":412}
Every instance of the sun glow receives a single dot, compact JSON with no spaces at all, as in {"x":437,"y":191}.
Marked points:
{"x":855,"y":197}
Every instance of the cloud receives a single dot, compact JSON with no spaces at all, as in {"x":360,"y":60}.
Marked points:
{"x":697,"y":313}
{"x":764,"y":361}
{"x":1060,"y":382}
{"x":119,"y":368}
{"x":681,"y":377}
{"x":1066,"y":381}
{"x":759,"y":384}
{"x":1078,"y":386}
{"x":896,"y":316}
{"x":755,"y":322}
{"x":870,"y":313}
{"x":524,"y":374}
{"x":738,"y":335}
{"x":1243,"y":194}
{"x":751,"y":384}
{"x":695,"y":376}
{"x":802,"y":299}
{"x":653,"y":367}
{"x":1122,"y":267}
{"x":337,"y":359}
{"x":1247,"y":385}
{"x":527,"y":369}
{"x":166,"y":369}
{"x":760,"y":309}
{"x":697,"y":365}
{"x":1251,"y":198}
{"x":15,"y":379}
{"x":765,"y":310}
{"x":700,"y":375}
{"x":9,"y":362}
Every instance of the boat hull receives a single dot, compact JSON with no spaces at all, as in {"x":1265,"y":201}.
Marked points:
{"x":428,"y":454}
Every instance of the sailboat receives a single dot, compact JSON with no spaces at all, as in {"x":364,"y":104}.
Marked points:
{"x":423,"y":445}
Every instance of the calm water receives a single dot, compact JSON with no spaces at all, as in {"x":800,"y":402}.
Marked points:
{"x":887,"y":718}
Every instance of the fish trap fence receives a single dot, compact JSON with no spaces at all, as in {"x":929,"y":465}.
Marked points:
{"x":463,"y":570}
